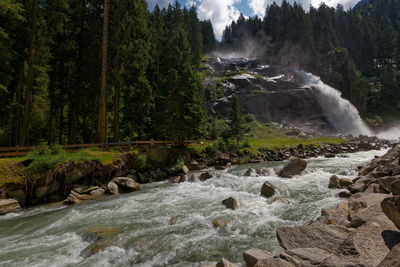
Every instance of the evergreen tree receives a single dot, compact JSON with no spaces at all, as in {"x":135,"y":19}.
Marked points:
{"x":237,"y":122}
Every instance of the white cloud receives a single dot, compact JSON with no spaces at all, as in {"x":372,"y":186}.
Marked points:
{"x":220,"y":12}
{"x":259,"y":6}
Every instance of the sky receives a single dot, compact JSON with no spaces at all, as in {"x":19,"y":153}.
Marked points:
{"x":222,"y":12}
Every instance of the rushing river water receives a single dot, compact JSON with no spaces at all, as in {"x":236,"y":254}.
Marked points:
{"x":53,"y":236}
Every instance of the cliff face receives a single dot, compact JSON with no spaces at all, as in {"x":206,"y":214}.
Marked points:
{"x":271,"y":94}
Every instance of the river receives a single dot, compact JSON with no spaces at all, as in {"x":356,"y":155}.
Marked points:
{"x":52,"y":236}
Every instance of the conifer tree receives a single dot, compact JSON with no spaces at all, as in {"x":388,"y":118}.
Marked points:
{"x":237,"y":123}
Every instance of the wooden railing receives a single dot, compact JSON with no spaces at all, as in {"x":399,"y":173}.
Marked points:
{"x":22,"y":151}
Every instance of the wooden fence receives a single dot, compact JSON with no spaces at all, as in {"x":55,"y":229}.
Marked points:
{"x":21,"y":151}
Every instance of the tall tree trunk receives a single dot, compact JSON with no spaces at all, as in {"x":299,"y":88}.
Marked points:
{"x":103,"y":89}
{"x":29,"y":86}
{"x":117,"y":67}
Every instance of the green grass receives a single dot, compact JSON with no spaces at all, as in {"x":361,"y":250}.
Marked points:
{"x":269,"y":136}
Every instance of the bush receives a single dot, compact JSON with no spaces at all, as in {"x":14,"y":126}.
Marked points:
{"x":141,"y":161}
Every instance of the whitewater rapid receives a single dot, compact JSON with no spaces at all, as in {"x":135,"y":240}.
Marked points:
{"x":40,"y":237}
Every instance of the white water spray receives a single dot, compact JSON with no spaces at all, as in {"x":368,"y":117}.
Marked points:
{"x":337,"y":110}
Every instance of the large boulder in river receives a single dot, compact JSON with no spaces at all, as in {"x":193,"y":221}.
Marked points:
{"x":325,"y":237}
{"x":230,"y":203}
{"x":225,"y":263}
{"x":113,"y":188}
{"x":193,"y":166}
{"x":8,"y":205}
{"x":267,"y":189}
{"x":126,"y":184}
{"x":293,"y":167}
{"x":253,"y":255}
{"x":334,"y":182}
{"x":391,"y":207}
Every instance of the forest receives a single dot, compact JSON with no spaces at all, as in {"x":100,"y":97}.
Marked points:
{"x":86,"y":71}
{"x":90,"y":71}
{"x":355,"y":51}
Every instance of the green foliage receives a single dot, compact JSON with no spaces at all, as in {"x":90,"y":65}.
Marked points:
{"x":141,"y":161}
{"x":237,"y":123}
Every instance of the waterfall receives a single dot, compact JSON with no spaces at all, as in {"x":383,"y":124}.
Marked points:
{"x":340,"y":113}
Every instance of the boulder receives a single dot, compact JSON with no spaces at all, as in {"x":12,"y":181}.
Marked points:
{"x":205,"y":176}
{"x":293,"y":167}
{"x":113,"y":188}
{"x":338,"y":216}
{"x":329,"y":155}
{"x":253,"y":255}
{"x":345,"y":182}
{"x":185,"y":169}
{"x":392,"y":258}
{"x":334,"y":182}
{"x":19,"y":195}
{"x":74,"y":197}
{"x":325,"y":237}
{"x":97,"y":192}
{"x":8,"y":205}
{"x":363,"y":247}
{"x":267,"y":189}
{"x":308,"y":256}
{"x":395,"y":187}
{"x":193,"y":166}
{"x":225,"y":263}
{"x":391,"y":208}
{"x":273,"y":262}
{"x":263,"y":171}
{"x":344,"y":194}
{"x":126,"y":184}
{"x":230,"y":203}
{"x":220,"y":223}
{"x":250,"y":172}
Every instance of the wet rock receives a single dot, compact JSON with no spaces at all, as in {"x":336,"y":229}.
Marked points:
{"x":19,"y":195}
{"x":75,"y":198}
{"x":329,"y":155}
{"x":325,"y":237}
{"x":267,"y":189}
{"x":225,"y":263}
{"x":250,"y":172}
{"x":98,"y":238}
{"x":174,"y":220}
{"x":97,"y":192}
{"x":230,"y":203}
{"x":338,"y":216}
{"x":334,"y":182}
{"x":185,"y":169}
{"x":253,"y":255}
{"x":220,"y":168}
{"x":392,"y":258}
{"x":344,"y":194}
{"x":308,"y":256}
{"x":46,"y":190}
{"x":391,"y":208}
{"x":273,"y":262}
{"x":220,"y":223}
{"x":345,"y":182}
{"x":8,"y":205}
{"x":113,"y":188}
{"x":194,"y":178}
{"x":95,"y":248}
{"x":263,"y":172}
{"x":126,"y":184}
{"x":193,"y":166}
{"x":363,"y":247}
{"x":395,"y":187}
{"x":293,"y":167}
{"x":205,"y":176}
{"x":176,"y":179}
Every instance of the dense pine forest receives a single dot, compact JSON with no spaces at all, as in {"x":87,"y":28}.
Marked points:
{"x":95,"y":71}
{"x":355,"y":51}
{"x":85,"y":71}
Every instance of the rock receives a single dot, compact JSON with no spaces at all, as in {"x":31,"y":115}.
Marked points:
{"x":185,"y":169}
{"x":308,"y":256}
{"x":273,"y":262}
{"x":8,"y":205}
{"x":193,"y":166}
{"x":46,"y":190}
{"x":113,"y":188}
{"x":230,"y":203}
{"x":395,"y":187}
{"x":263,"y":172}
{"x":267,"y":189}
{"x":345,"y":182}
{"x":344,"y":194}
{"x":391,"y":208}
{"x":392,"y":259}
{"x":250,"y":172}
{"x":363,"y":247}
{"x":220,"y":223}
{"x":96,"y":237}
{"x":97,"y":192}
{"x":126,"y":184}
{"x":176,"y":179}
{"x":19,"y":195}
{"x":174,"y":220}
{"x":329,"y":155}
{"x":194,"y":178}
{"x":74,"y":197}
{"x":205,"y":176}
{"x":325,"y":237}
{"x":253,"y":255}
{"x":94,"y":248}
{"x":225,"y":263}
{"x":293,"y":167}
{"x":338,"y":216}
{"x":334,"y":182}
{"x":220,"y":168}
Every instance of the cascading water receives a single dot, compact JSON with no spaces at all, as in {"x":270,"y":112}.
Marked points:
{"x":144,"y":235}
{"x":337,"y":110}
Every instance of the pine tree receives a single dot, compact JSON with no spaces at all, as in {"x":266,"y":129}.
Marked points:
{"x":236,"y":121}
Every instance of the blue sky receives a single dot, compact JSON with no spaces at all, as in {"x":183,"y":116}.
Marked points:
{"x":222,"y":12}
